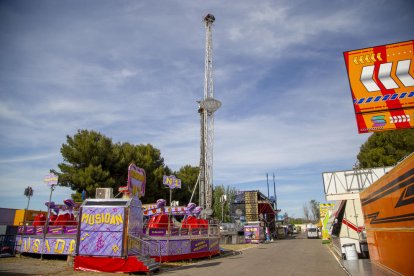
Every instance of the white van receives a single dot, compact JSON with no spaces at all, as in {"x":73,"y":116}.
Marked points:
{"x":312,"y":233}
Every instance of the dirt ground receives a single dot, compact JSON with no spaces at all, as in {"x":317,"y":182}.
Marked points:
{"x":33,"y":265}
{"x":55,"y":265}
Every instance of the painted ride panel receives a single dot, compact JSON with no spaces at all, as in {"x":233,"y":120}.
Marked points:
{"x":58,"y":240}
{"x":51,"y":244}
{"x":192,"y":238}
{"x":388,"y":207}
{"x":108,"y":238}
{"x":253,"y":232}
{"x":183,"y":243}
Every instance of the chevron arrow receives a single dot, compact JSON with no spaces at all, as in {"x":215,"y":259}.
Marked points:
{"x":384,"y":75}
{"x":356,"y":60}
{"x":366,"y":78}
{"x":402,"y":73}
{"x":379,"y":57}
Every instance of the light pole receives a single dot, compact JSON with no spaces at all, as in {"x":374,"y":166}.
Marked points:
{"x":223,"y":200}
{"x":29,"y":193}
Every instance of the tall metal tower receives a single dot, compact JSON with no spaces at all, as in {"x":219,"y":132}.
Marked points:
{"x":207,"y":107}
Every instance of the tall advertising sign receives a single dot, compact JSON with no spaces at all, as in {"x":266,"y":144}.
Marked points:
{"x":325,"y":210}
{"x":136,"y":181}
{"x":382,"y":85}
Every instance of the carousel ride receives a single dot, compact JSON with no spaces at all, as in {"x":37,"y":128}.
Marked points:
{"x":119,"y":235}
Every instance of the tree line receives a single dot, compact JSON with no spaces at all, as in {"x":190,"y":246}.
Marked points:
{"x":91,"y":160}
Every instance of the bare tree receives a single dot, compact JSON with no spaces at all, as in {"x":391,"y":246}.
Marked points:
{"x":315,"y":210}
{"x":306,"y":212}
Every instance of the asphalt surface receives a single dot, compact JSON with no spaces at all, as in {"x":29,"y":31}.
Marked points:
{"x":296,"y":256}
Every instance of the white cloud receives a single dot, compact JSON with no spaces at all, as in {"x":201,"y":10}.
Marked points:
{"x":134,"y":72}
{"x":27,"y":158}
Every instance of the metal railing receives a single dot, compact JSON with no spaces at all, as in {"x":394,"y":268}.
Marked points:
{"x":145,"y":248}
{"x":64,"y":227}
{"x":166,"y":230}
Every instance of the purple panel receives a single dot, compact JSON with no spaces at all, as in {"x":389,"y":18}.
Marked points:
{"x":30,"y":230}
{"x":179,"y":247}
{"x":157,"y":232}
{"x":154,"y":245}
{"x":175,"y":232}
{"x":214,"y":244}
{"x":195,"y":231}
{"x":100,"y":243}
{"x":71,"y":230}
{"x":102,"y":219}
{"x":135,"y":221}
{"x":171,"y":247}
{"x":184,"y":231}
{"x":56,"y":230}
{"x":251,"y":233}
{"x":39,"y":230}
{"x":204,"y":231}
{"x":58,"y":246}
{"x":199,"y":245}
{"x":20,"y":229}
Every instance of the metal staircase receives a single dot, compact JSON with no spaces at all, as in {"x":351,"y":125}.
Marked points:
{"x":141,"y":249}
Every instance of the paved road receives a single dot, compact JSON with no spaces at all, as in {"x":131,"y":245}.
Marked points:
{"x":297,"y":256}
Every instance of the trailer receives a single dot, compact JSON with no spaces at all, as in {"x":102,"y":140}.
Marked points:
{"x":388,"y":208}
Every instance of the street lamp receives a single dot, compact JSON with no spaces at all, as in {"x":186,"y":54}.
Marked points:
{"x":223,"y":200}
{"x":28,"y":192}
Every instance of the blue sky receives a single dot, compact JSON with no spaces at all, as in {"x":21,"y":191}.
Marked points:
{"x":133,"y":70}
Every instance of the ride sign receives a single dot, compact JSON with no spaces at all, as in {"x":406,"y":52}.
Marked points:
{"x":382,"y":85}
{"x":51,"y":179}
{"x":136,"y":181}
{"x":171,"y":181}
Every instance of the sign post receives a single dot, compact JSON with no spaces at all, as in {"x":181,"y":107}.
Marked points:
{"x":51,"y":181}
{"x":172,"y":182}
